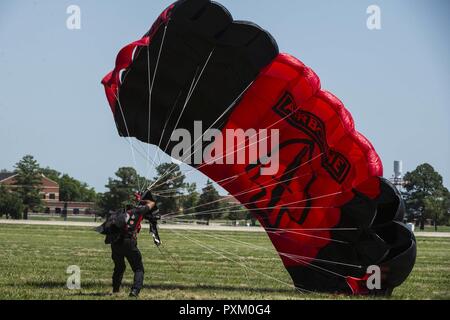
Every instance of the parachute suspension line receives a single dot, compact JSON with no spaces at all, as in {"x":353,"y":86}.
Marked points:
{"x":221,"y":210}
{"x":220,"y":253}
{"x":160,"y":139}
{"x":141,"y":151}
{"x":302,"y":259}
{"x":129,"y":140}
{"x":245,"y":192}
{"x":152,"y":79}
{"x":270,"y":208}
{"x":217,"y":237}
{"x":168,"y":191}
{"x":151,"y":82}
{"x":150,"y":87}
{"x":171,"y":256}
{"x":194,"y":84}
{"x":281,"y":234}
{"x":239,"y":149}
{"x":139,"y":143}
{"x":169,"y":259}
{"x":297,"y":258}
{"x":312,"y":229}
{"x":314,"y":266}
{"x":233,"y":178}
{"x":233,"y":152}
{"x":294,"y":229}
{"x":168,"y":197}
{"x":215,"y":122}
{"x":191,"y":92}
{"x":229,"y":178}
{"x":242,"y":173}
{"x":166,"y":123}
{"x":255,"y":189}
{"x":186,"y":101}
{"x":150,"y":185}
{"x":188,"y":96}
{"x":324,"y":261}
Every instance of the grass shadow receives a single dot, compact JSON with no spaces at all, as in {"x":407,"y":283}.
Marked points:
{"x":216,"y":288}
{"x":153,"y":286}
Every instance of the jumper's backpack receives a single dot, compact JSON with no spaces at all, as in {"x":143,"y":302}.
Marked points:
{"x":114,"y":226}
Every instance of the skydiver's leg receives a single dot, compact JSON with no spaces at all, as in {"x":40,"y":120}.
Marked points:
{"x":119,"y":266}
{"x":134,"y":257}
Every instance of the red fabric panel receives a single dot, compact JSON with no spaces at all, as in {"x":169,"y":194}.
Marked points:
{"x":111,"y":81}
{"x":337,"y":159}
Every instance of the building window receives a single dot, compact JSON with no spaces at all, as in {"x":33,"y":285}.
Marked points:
{"x":58,"y":210}
{"x":52,"y":196}
{"x":44,"y":196}
{"x":76,"y":211}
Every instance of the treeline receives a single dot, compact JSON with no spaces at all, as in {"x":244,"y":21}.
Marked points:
{"x":426,"y":198}
{"x":177,"y":199}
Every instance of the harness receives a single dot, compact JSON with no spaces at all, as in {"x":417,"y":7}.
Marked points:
{"x":133,"y":225}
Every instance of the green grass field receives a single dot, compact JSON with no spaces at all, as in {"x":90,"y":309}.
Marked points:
{"x":440,"y":229}
{"x":34,"y":259}
{"x":61,"y":219}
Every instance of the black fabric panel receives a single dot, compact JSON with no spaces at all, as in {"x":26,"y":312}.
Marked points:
{"x":381,"y":239}
{"x":196,"y":28}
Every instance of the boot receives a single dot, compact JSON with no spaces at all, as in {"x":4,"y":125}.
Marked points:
{"x":134,"y":293}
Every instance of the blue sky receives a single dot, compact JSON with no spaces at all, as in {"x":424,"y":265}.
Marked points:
{"x":395,"y":81}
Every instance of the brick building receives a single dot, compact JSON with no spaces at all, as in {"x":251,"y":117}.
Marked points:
{"x":50,"y":196}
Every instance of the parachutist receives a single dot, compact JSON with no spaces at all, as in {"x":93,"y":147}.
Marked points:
{"x":121,"y":230}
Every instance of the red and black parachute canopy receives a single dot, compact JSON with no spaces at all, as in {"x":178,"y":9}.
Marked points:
{"x":327,"y":210}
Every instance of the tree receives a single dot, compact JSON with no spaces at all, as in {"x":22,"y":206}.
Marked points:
{"x":208,"y":203}
{"x":169,"y":183}
{"x":10,"y":204}
{"x":70,"y":189}
{"x":28,"y":183}
{"x":425,"y":194}
{"x":235,"y":212}
{"x":434,"y":208}
{"x":51,"y":174}
{"x":121,"y":190}
{"x":190,"y":200}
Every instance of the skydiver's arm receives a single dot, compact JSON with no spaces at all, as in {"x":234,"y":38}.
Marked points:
{"x":145,"y":209}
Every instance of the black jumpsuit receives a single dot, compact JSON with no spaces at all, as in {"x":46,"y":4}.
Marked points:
{"x":126,"y":247}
